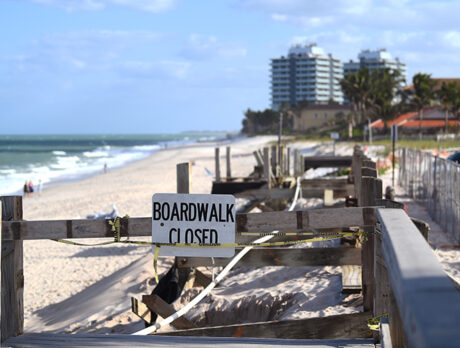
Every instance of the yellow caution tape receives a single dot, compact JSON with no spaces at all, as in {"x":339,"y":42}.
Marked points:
{"x":374,"y":323}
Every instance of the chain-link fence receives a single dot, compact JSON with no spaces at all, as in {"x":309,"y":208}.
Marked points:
{"x":434,"y":181}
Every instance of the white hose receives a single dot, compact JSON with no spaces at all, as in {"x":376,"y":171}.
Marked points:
{"x":212,"y":285}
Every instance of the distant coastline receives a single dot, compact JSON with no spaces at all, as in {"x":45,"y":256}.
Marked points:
{"x":57,"y":159}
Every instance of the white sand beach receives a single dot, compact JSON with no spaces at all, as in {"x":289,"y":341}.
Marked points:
{"x":87,"y":289}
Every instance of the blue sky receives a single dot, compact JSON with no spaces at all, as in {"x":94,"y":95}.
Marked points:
{"x":162,"y":66}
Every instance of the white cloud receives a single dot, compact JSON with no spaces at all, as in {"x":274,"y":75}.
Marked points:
{"x":156,"y":69}
{"x":202,"y":47}
{"x":154,"y":6}
{"x":452,"y":39}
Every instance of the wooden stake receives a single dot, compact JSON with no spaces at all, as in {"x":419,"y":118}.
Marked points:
{"x":217,"y":165}
{"x":229,"y":170}
{"x":183,"y":171}
{"x":267,"y":169}
{"x":12,"y":274}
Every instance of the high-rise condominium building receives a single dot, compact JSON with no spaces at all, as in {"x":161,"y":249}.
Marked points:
{"x":373,"y":60}
{"x":306,"y":74}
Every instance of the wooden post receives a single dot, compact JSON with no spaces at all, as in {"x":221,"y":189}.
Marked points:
{"x":296,"y":162}
{"x":288,"y":162}
{"x":183,"y":177}
{"x":12,"y":274}
{"x":368,"y":198}
{"x":267,"y":169}
{"x":217,"y":165}
{"x":229,"y":169}
{"x":183,"y":180}
{"x":259,"y":158}
{"x":274,"y":162}
{"x":281,"y":160}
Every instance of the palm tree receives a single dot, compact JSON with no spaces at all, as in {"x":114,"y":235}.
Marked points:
{"x":357,"y":87}
{"x":423,"y":94}
{"x":449,"y":96}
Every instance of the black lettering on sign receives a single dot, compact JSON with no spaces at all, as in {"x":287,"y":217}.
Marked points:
{"x":202,"y":211}
{"x":156,"y":211}
{"x":189,"y":236}
{"x":230,"y":212}
{"x":192,"y":212}
{"x":165,"y":210}
{"x":175,"y":212}
{"x":184,"y":212}
{"x":198,"y":235}
{"x":214,"y":236}
{"x":213,"y":214}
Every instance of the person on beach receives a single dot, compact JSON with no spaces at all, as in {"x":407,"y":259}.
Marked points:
{"x":40,"y":187}
{"x":31,"y":188}
{"x":105,"y":168}
{"x":26,"y":189}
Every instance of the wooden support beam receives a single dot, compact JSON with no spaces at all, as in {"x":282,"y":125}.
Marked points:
{"x":137,"y":227}
{"x":259,"y":158}
{"x":274,"y":160}
{"x":428,"y":302}
{"x":309,"y":192}
{"x":229,"y":158}
{"x":267,"y":167}
{"x":202,"y":279}
{"x":12,"y":273}
{"x":141,"y":310}
{"x":217,"y":163}
{"x":297,"y":162}
{"x":293,"y":257}
{"x":327,"y":161}
{"x":335,"y":326}
{"x":156,"y":304}
{"x":368,"y":198}
{"x":183,"y":177}
{"x":351,"y":278}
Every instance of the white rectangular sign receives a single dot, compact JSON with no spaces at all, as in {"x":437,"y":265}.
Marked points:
{"x":335,"y":136}
{"x":194,"y":218}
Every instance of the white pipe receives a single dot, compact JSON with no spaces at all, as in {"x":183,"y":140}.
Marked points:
{"x":212,"y":285}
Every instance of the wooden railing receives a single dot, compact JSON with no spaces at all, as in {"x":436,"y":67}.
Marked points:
{"x":400,"y":274}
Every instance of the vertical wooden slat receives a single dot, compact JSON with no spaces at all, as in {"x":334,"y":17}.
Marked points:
{"x":274,"y":160}
{"x":183,"y":180}
{"x":288,"y":161}
{"x":296,"y":162}
{"x":229,"y":169}
{"x":183,"y":177}
{"x":368,"y":198}
{"x":267,"y":169}
{"x":12,"y":274}
{"x":217,"y":162}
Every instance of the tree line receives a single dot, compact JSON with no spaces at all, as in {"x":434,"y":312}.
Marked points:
{"x":372,"y":95}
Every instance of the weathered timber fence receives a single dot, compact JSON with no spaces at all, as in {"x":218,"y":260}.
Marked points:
{"x":435,"y":182}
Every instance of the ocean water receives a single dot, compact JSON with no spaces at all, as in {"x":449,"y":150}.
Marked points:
{"x":54,"y":158}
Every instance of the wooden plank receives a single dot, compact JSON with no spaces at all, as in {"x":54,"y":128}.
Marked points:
{"x":229,"y":159}
{"x":294,"y":257}
{"x":202,"y":279}
{"x":183,"y":177}
{"x":141,"y":310}
{"x":308,"y":192}
{"x":351,"y":277}
{"x":12,"y":273}
{"x":217,"y":164}
{"x":164,"y":310}
{"x":428,"y":302}
{"x":122,"y":340}
{"x":368,"y":198}
{"x":327,"y":161}
{"x":385,"y":336}
{"x":258,"y":158}
{"x":267,"y":167}
{"x":138,"y":227}
{"x":330,"y":327}
{"x":237,"y":187}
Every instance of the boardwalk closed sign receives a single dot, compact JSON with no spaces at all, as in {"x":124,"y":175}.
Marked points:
{"x":197,"y":220}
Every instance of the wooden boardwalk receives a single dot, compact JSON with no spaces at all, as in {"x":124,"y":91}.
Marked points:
{"x":59,"y":340}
